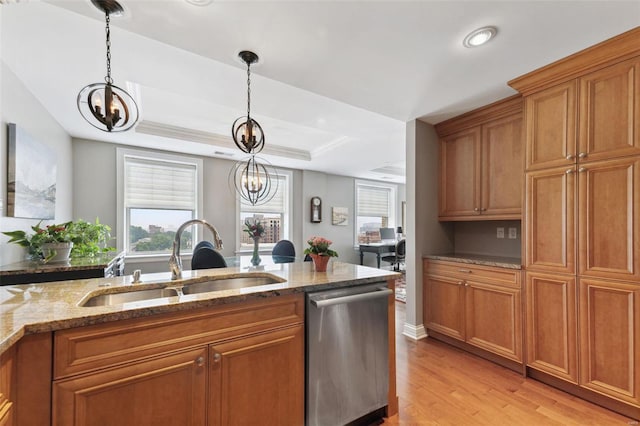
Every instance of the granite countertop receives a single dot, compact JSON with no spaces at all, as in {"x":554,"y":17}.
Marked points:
{"x":501,"y":262}
{"x":100,"y":260}
{"x":44,"y":307}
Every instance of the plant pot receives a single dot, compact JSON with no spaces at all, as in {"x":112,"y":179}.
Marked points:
{"x":320,"y":262}
{"x":56,"y":252}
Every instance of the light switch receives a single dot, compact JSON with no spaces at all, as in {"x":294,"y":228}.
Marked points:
{"x":513,"y":233}
{"x":500,"y":233}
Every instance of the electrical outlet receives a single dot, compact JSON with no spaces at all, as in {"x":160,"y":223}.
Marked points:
{"x":513,"y":233}
{"x":500,"y":233}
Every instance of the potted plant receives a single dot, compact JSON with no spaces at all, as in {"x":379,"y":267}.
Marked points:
{"x":320,"y":252}
{"x":57,"y":242}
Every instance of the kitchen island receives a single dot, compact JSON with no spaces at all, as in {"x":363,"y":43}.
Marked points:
{"x":206,"y":351}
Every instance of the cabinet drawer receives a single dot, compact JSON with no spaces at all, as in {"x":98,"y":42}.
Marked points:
{"x":98,"y":346}
{"x":465,"y":271}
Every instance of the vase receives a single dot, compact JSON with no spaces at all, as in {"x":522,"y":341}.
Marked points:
{"x":56,"y":252}
{"x":255,"y":259}
{"x":320,"y":262}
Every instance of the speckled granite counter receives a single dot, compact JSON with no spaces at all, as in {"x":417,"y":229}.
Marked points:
{"x":502,"y":262}
{"x":34,"y":308}
{"x":32,"y":267}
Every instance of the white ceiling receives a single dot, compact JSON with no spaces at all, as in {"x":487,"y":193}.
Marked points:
{"x":336,"y":82}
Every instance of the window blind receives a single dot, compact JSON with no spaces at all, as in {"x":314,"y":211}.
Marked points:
{"x":157,"y":184}
{"x":373,"y":201}
{"x":276,"y":205}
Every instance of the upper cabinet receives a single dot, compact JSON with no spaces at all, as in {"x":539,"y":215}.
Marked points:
{"x":481,"y":161}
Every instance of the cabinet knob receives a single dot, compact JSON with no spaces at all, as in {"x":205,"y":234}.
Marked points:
{"x":569,"y":171}
{"x":200,"y":361}
{"x":582,"y":155}
{"x":483,"y":209}
{"x":466,"y":284}
{"x":582,"y":169}
{"x":216,"y":357}
{"x":466,"y":271}
{"x":460,"y":282}
{"x":570,"y":157}
{"x":476,"y":209}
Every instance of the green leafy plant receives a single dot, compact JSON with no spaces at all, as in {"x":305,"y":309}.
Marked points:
{"x":89,"y":238}
{"x":320,"y":246}
{"x":254,"y":228}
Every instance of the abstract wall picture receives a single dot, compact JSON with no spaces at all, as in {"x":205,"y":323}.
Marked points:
{"x":31,"y":176}
{"x":340,"y":216}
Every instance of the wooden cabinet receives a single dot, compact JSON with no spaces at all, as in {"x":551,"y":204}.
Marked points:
{"x":170,"y":389}
{"x":240,"y":363}
{"x":481,"y":163}
{"x":258,"y":378}
{"x":7,"y":360}
{"x":551,"y":324}
{"x":610,"y":338}
{"x":479,"y":305}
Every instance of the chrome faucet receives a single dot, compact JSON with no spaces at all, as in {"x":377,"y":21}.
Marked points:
{"x":175,"y":262}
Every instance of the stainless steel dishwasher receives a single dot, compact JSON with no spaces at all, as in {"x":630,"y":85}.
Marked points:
{"x":347,"y":354}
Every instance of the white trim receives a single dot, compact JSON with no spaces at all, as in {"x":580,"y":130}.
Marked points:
{"x":415,"y":332}
{"x":121,"y":153}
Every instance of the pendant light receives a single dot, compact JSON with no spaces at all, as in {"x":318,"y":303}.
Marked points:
{"x":254,"y":179}
{"x":104,"y":105}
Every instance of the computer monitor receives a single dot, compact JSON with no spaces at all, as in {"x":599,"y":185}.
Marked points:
{"x":387,"y":234}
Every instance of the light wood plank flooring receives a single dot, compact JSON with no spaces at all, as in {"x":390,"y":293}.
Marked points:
{"x":442,"y":385}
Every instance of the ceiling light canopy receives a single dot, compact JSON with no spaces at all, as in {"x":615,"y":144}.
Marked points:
{"x":104,"y":105}
{"x":255,"y":182}
{"x":479,"y":37}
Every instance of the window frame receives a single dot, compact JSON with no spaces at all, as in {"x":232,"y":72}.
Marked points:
{"x":393,"y":204}
{"x":286,"y":220}
{"x":123,"y":216}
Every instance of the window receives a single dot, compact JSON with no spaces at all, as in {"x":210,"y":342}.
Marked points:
{"x":375,"y":209}
{"x":158,"y":193}
{"x":274,"y":216}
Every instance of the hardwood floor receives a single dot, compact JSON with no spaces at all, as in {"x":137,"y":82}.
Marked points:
{"x":442,"y":385}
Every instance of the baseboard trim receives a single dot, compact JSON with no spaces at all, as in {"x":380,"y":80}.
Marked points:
{"x":415,"y":332}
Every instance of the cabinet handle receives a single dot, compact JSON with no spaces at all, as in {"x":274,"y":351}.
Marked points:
{"x":569,"y":171}
{"x":460,"y":282}
{"x":582,"y":155}
{"x":483,"y":210}
{"x":582,"y":170}
{"x":200,"y":361}
{"x":216,"y":357}
{"x":466,"y":284}
{"x":570,"y":157}
{"x":476,"y":210}
{"x":466,"y":271}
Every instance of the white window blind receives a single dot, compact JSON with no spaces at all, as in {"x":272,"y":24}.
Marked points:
{"x":278,"y":204}
{"x":155,"y":184}
{"x":373,"y":201}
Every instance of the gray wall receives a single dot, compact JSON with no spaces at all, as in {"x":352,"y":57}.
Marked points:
{"x":480,"y":238}
{"x":425,"y":235}
{"x":19,"y":106}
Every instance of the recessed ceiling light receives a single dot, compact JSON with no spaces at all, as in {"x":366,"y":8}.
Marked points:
{"x":480,"y":36}
{"x":200,"y":2}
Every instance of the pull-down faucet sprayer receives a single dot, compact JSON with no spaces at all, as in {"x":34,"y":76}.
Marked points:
{"x":175,"y":262}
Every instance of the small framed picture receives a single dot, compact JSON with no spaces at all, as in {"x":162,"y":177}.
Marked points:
{"x":340,"y":216}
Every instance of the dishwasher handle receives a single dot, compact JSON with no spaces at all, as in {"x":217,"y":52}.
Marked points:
{"x":382,"y":292}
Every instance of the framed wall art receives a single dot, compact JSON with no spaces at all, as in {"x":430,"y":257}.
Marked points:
{"x":340,"y":216}
{"x":31,"y":176}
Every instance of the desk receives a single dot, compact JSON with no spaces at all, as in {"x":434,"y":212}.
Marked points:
{"x":377,"y":248}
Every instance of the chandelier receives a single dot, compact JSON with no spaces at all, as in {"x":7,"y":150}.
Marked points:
{"x":254,"y":179}
{"x":104,"y":105}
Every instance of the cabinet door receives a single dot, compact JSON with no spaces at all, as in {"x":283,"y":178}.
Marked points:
{"x":550,"y":126}
{"x":258,"y":380}
{"x":550,"y":220}
{"x":610,"y":338}
{"x":170,"y":390}
{"x":502,"y":166}
{"x":551,"y":324}
{"x":444,"y":306}
{"x":610,"y":112}
{"x":494,"y":319}
{"x":460,"y":174}
{"x":609,"y":218}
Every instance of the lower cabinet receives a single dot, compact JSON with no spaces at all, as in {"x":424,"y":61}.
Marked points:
{"x":234,"y":364}
{"x":479,"y":305}
{"x":6,"y":404}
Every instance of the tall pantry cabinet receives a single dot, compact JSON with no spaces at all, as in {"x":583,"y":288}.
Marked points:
{"x":582,"y":220}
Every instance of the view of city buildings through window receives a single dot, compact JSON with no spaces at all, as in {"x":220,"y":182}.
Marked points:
{"x":369,"y":228}
{"x":272,"y":223}
{"x":152,"y":231}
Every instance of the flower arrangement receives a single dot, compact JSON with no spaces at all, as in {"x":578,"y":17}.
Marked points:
{"x":320,"y":247}
{"x":254,"y":228}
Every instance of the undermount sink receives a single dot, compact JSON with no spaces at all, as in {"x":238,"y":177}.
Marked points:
{"x":130,"y":296}
{"x":227,"y":284}
{"x":186,"y":289}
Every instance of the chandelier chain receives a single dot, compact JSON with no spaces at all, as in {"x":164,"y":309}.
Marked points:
{"x":248,"y":90}
{"x":108,"y":78}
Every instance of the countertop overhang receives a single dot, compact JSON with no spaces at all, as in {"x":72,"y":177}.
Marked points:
{"x":44,"y":307}
{"x":476,"y":259}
